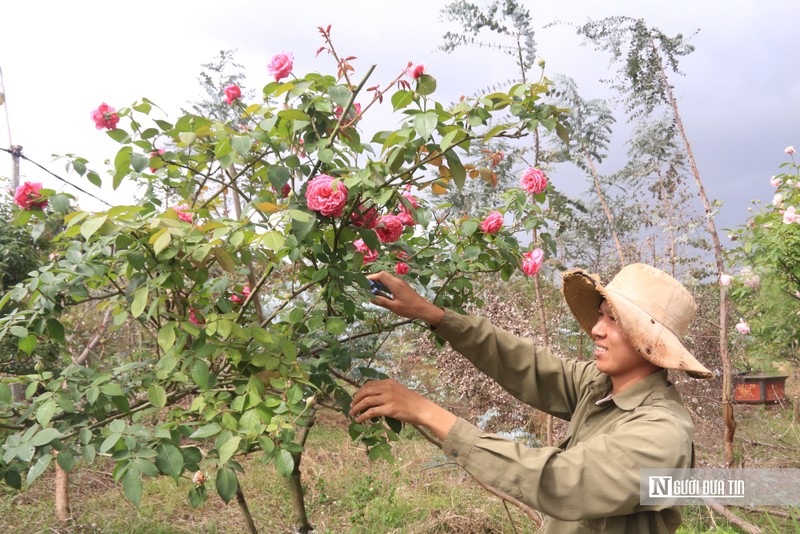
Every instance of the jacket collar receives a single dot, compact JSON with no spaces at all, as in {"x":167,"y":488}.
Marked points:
{"x":635,"y":395}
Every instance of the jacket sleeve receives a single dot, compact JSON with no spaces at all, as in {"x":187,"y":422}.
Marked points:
{"x":595,"y":478}
{"x":532,"y":374}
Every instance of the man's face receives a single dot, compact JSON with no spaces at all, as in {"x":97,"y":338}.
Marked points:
{"x":613,"y":353}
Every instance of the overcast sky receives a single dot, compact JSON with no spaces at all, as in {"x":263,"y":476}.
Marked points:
{"x":740,"y":98}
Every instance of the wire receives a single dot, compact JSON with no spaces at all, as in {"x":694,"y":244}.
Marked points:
{"x":5,"y":104}
{"x":26,"y":158}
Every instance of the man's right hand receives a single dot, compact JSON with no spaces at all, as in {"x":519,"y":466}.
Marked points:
{"x":406,"y":302}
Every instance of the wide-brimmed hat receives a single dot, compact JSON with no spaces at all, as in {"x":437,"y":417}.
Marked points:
{"x":652,"y":309}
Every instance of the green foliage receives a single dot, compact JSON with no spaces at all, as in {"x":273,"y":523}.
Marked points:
{"x":766,"y":290}
{"x":249,"y":320}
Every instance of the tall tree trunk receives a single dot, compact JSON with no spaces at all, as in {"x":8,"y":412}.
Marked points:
{"x":601,"y":197}
{"x":62,"y":491}
{"x":248,"y":517}
{"x":727,"y":372}
{"x":670,"y":223}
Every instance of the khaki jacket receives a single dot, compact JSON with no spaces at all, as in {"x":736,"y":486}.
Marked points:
{"x":590,"y":482}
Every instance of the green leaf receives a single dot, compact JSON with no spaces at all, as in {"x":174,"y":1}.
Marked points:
{"x":44,"y":437}
{"x":13,"y":479}
{"x":325,"y":155}
{"x":273,"y":240}
{"x":226,"y":483}
{"x":132,"y":486}
{"x":122,"y":163}
{"x":294,"y":115}
{"x":38,"y":468}
{"x":91,"y":225}
{"x":468,"y":227}
{"x":119,"y":135}
{"x":284,"y":463}
{"x":335,"y":326}
{"x":456,"y":168}
{"x":94,"y":179}
{"x":28,"y":344}
{"x":402,"y":99}
{"x":45,"y":412}
{"x":200,"y":373}
{"x":340,"y":95}
{"x":206,"y":431}
{"x":169,"y":460}
{"x":56,"y":330}
{"x":139,"y":301}
{"x":425,"y":123}
{"x":66,"y":461}
{"x":224,"y":259}
{"x":228,"y":449}
{"x":109,"y":443}
{"x":166,"y":337}
{"x":157,"y":396}
{"x":19,"y":331}
{"x":243,"y":143}
{"x":426,"y":84}
{"x":139,"y":162}
{"x":278,"y":176}
{"x":198,"y":496}
{"x":112,"y":390}
{"x":161,"y":240}
{"x":144,"y":466}
{"x":5,"y":393}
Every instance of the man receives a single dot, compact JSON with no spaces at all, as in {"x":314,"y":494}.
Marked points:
{"x":624,"y":414}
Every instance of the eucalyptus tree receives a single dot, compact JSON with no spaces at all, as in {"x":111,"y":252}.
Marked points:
{"x":646,"y":58}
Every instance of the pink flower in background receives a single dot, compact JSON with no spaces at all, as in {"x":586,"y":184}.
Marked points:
{"x":355,"y":111}
{"x":28,"y":196}
{"x":193,"y":317}
{"x":790,"y":215}
{"x":742,"y":327}
{"x":401,"y":268}
{"x":389,"y":228}
{"x":369,"y":254}
{"x":183,"y":214}
{"x":155,"y":154}
{"x":405,"y":214}
{"x":199,"y":478}
{"x":415,"y":71}
{"x":105,"y":117}
{"x":232,"y":92}
{"x":532,"y":261}
{"x":774,"y":181}
{"x":326,"y":195}
{"x":752,"y":280}
{"x":285,"y":190}
{"x":533,"y":181}
{"x":789,"y":150}
{"x":777,"y":200}
{"x":363,"y":217}
{"x":725,"y":280}
{"x":281,"y":65}
{"x":245,"y":295}
{"x":492,"y":223}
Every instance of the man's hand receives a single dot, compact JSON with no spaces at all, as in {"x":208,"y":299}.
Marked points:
{"x":388,"y":398}
{"x":406,"y":302}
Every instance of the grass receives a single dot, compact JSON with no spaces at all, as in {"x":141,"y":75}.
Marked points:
{"x":345,"y":492}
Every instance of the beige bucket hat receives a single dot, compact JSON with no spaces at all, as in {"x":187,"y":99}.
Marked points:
{"x":652,"y":309}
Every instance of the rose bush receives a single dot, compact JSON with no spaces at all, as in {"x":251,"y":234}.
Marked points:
{"x":249,"y":323}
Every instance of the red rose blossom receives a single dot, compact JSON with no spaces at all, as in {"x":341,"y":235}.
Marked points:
{"x":532,"y":261}
{"x":363,"y":217}
{"x":401,"y":268}
{"x":281,"y":65}
{"x":28,"y":196}
{"x":492,"y":223}
{"x":533,"y":181}
{"x":183,"y":214}
{"x":369,"y":254}
{"x":326,"y":195}
{"x":389,"y":228}
{"x":105,"y":117}
{"x":232,"y":92}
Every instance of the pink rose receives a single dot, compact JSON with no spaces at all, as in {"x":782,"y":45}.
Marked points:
{"x":28,"y":196}
{"x":774,"y":181}
{"x":405,"y":214}
{"x":790,"y":215}
{"x":492,"y":223}
{"x":245,"y":295}
{"x":232,"y":92}
{"x":777,"y":200}
{"x":281,"y":65}
{"x":725,"y":280}
{"x":363,"y":217}
{"x":533,"y":181}
{"x":789,"y":150}
{"x":193,"y":317}
{"x":105,"y":117}
{"x":352,"y":116}
{"x":532,"y":261}
{"x":389,"y":228}
{"x":326,"y":195}
{"x":199,"y":478}
{"x":415,"y":71}
{"x":369,"y":254}
{"x":401,"y":268}
{"x":183,"y":214}
{"x":742,"y":327}
{"x":155,"y":154}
